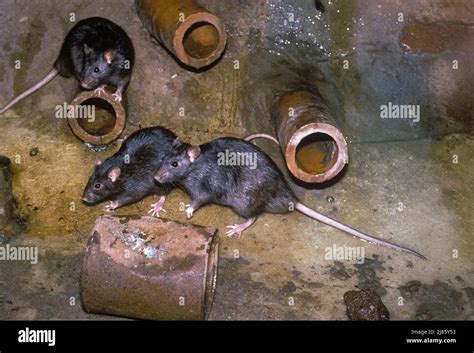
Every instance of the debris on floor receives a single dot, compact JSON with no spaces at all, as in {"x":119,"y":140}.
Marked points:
{"x":365,"y":305}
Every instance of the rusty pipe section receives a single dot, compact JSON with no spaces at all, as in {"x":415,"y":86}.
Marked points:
{"x":315,"y":150}
{"x":10,"y":221}
{"x":96,"y":117}
{"x":149,"y":268}
{"x":193,"y":34}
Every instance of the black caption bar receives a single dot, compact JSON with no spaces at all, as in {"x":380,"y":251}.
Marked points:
{"x":252,"y":336}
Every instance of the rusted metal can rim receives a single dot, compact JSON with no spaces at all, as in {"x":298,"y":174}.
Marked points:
{"x":11,"y":222}
{"x":335,"y":152}
{"x":200,"y":39}
{"x":5,"y":162}
{"x":210,"y":281}
{"x":109,"y":119}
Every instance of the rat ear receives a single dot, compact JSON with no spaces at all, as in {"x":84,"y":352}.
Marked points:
{"x":193,"y":153}
{"x":109,"y":55}
{"x":98,"y":161}
{"x":87,"y":49}
{"x":113,"y":174}
{"x":176,"y":142}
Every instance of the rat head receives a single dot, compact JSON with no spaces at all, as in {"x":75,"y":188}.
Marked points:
{"x":176,"y":164}
{"x":98,"y":65}
{"x":102,"y":184}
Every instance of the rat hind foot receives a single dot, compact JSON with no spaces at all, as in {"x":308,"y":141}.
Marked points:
{"x":189,"y":211}
{"x":157,"y":207}
{"x":237,"y":229}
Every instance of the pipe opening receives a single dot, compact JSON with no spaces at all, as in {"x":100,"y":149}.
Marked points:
{"x":201,"y":40}
{"x":316,"y":153}
{"x":103,"y":120}
{"x":4,"y":162}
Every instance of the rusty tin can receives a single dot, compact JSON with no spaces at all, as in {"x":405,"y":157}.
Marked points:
{"x":149,"y":268}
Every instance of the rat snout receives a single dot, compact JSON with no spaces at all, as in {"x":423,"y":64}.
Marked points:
{"x":89,"y":82}
{"x":86,"y":85}
{"x":159,"y":176}
{"x":87,"y":199}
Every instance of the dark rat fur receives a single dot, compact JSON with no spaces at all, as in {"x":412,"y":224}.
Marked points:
{"x":124,"y":183}
{"x":96,"y":52}
{"x":250,"y":186}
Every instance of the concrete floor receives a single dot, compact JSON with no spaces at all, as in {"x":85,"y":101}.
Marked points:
{"x":401,"y":183}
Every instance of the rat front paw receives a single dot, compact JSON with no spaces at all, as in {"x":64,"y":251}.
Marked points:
{"x":112,"y":206}
{"x":99,"y":90}
{"x":117,"y":96}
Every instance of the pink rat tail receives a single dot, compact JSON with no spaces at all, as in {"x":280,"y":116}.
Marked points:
{"x":331,"y":222}
{"x":265,"y":136}
{"x":52,"y":74}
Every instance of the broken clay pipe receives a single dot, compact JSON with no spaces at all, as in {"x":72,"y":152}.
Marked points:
{"x":191,"y":33}
{"x":149,"y":268}
{"x":97,"y":117}
{"x":315,"y":149}
{"x":10,"y":221}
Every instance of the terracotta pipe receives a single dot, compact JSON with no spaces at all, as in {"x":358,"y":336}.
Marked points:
{"x":193,"y":34}
{"x":315,"y":149}
{"x":148,"y":268}
{"x":10,"y":221}
{"x":101,"y":121}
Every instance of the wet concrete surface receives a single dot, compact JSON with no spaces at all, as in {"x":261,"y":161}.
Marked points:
{"x":407,"y":182}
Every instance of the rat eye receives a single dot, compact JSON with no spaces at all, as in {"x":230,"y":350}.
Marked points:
{"x":174,"y":164}
{"x":96,"y":69}
{"x":97,"y":186}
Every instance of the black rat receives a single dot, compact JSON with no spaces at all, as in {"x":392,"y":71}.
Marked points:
{"x":235,"y":173}
{"x":128,"y":176}
{"x":96,"y":52}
